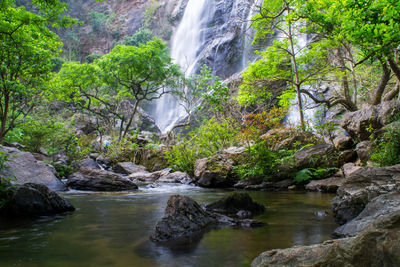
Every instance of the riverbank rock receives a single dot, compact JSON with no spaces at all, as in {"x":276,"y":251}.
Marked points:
{"x":175,"y":177}
{"x":321,"y":155}
{"x":93,"y":179}
{"x":128,"y":168}
{"x":35,"y":200}
{"x":358,"y":123}
{"x":288,"y":138}
{"x":217,"y":171}
{"x":240,"y":204}
{"x":329,"y":185}
{"x":26,"y":169}
{"x":143,"y":177}
{"x":185,"y":218}
{"x":360,"y":187}
{"x":377,"y":245}
{"x":382,"y":205}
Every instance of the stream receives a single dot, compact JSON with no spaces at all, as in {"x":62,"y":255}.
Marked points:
{"x":112,"y":229}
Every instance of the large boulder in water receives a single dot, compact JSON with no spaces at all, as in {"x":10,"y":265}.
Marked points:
{"x":26,"y":169}
{"x":377,"y":245}
{"x":35,"y":200}
{"x":235,"y":204}
{"x":185,"y":218}
{"x":360,"y":187}
{"x":94,"y":179}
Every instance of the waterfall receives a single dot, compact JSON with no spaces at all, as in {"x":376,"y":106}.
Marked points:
{"x":248,"y":52}
{"x":186,"y":44}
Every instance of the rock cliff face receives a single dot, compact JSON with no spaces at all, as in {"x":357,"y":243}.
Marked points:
{"x":223,"y":41}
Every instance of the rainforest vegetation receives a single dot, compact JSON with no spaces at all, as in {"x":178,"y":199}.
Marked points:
{"x":45,"y":84}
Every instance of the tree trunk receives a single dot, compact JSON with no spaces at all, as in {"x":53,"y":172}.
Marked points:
{"x":296,"y":72}
{"x":382,"y":84}
{"x":395,"y":68}
{"x":392,"y":93}
{"x":131,"y":119}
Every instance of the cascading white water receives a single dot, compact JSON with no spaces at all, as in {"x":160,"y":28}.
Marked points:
{"x":248,"y":52}
{"x":186,"y":43}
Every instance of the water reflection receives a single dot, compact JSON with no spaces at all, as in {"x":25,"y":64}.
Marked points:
{"x":112,"y":229}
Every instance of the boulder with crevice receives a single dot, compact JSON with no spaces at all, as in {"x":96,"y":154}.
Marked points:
{"x":329,"y":185}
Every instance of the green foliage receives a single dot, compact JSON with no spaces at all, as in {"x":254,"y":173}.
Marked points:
{"x":307,"y":174}
{"x":261,"y":162}
{"x":387,"y":147}
{"x":123,"y":150}
{"x":202,"y":142}
{"x":78,"y":147}
{"x":215,"y":93}
{"x":142,"y":36}
{"x":41,"y":131}
{"x":5,"y":184}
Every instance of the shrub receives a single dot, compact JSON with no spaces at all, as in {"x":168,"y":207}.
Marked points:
{"x":41,"y":131}
{"x":313,"y":174}
{"x":387,"y":147}
{"x":202,"y":142}
{"x":123,"y":150}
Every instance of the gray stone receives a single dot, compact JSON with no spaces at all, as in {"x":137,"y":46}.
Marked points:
{"x":343,"y":142}
{"x":176,"y":177}
{"x":93,"y":179}
{"x":316,"y":156}
{"x":381,"y":205}
{"x":377,"y":245}
{"x":360,"y":187}
{"x":235,"y":203}
{"x":329,"y":185}
{"x":26,"y":169}
{"x":35,"y":200}
{"x":364,"y":150}
{"x":184,"y":218}
{"x":358,"y":123}
{"x":128,"y":168}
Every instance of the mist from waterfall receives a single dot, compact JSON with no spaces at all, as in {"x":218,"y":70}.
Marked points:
{"x":186,"y":43}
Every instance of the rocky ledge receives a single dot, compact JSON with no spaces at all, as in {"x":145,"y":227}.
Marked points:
{"x":185,"y":218}
{"x":94,"y":179}
{"x":377,"y":245}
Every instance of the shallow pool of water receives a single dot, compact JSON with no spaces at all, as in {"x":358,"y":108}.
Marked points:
{"x":112,"y":229}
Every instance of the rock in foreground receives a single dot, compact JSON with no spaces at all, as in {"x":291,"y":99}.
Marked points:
{"x":93,"y":179}
{"x":377,"y":245}
{"x":236,"y":204}
{"x":35,"y":200}
{"x":379,"y":206}
{"x":185,"y":218}
{"x":360,"y":187}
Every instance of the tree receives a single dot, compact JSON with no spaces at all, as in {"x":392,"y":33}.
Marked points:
{"x":134,"y":73}
{"x":26,"y":49}
{"x":365,"y":31}
{"x":287,"y":59}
